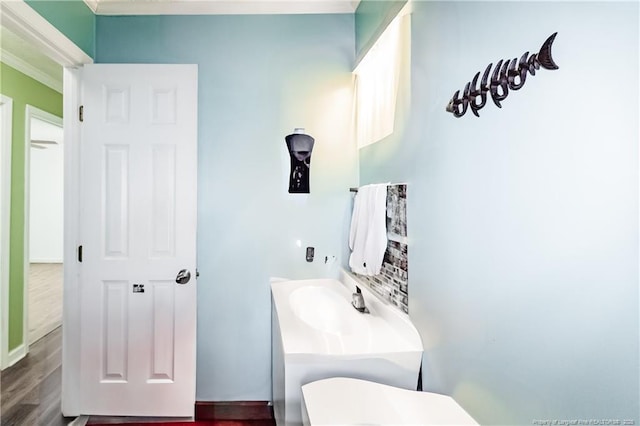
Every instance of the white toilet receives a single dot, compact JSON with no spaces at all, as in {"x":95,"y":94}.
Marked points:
{"x":345,"y":401}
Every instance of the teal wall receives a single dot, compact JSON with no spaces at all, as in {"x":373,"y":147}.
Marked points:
{"x":73,"y":18}
{"x":24,"y":91}
{"x":523,"y":223}
{"x":259,"y":78}
{"x":371,"y":18}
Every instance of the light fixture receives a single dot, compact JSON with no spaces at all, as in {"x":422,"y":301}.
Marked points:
{"x":300,"y":146}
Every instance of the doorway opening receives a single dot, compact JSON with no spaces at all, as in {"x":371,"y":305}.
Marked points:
{"x":45,"y":212}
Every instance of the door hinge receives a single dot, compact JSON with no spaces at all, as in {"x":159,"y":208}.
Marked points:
{"x":81,"y":113}
{"x":80,"y":254}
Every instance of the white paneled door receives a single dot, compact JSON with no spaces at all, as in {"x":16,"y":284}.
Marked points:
{"x":138,"y":232}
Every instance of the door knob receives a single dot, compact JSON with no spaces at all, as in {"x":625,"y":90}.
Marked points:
{"x":183,"y":276}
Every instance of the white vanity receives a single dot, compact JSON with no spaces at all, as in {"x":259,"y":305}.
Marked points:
{"x":317,"y":334}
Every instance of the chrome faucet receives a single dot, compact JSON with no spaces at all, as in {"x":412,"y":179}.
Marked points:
{"x":358,"y":301}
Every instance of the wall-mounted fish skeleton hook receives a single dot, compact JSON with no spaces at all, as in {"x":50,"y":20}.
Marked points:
{"x":507,"y":74}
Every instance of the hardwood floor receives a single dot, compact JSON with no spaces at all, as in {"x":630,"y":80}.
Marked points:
{"x":30,"y":389}
{"x":45,"y":299}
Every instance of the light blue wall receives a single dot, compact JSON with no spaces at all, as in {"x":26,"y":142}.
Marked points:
{"x":523,"y":223}
{"x":259,"y":78}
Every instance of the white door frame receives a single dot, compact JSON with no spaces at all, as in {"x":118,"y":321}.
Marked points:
{"x":30,"y":112}
{"x":6,"y":139}
{"x":21,"y":19}
{"x":71,"y":267}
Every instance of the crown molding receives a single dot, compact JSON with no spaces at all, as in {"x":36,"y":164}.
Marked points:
{"x":93,"y":5}
{"x":221,"y":7}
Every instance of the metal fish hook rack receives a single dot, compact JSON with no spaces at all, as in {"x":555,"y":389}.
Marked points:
{"x":507,"y":74}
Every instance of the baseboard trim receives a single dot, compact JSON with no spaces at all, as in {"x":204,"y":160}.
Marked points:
{"x":233,"y":410}
{"x":46,"y":260}
{"x":16,"y":355}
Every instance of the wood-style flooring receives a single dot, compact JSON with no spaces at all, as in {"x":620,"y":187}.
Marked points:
{"x":31,"y":389}
{"x":45,"y":299}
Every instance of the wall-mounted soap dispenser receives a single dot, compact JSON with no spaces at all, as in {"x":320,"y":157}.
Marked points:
{"x":300,"y":146}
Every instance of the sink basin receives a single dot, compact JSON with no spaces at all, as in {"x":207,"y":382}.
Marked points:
{"x":324,"y":309}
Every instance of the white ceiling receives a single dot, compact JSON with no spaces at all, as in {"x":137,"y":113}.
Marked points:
{"x":220,"y":7}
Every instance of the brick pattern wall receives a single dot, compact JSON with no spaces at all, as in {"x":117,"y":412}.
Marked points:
{"x":393,"y":281}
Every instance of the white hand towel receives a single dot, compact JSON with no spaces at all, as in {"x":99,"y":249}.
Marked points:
{"x":358,"y":233}
{"x":368,"y":235}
